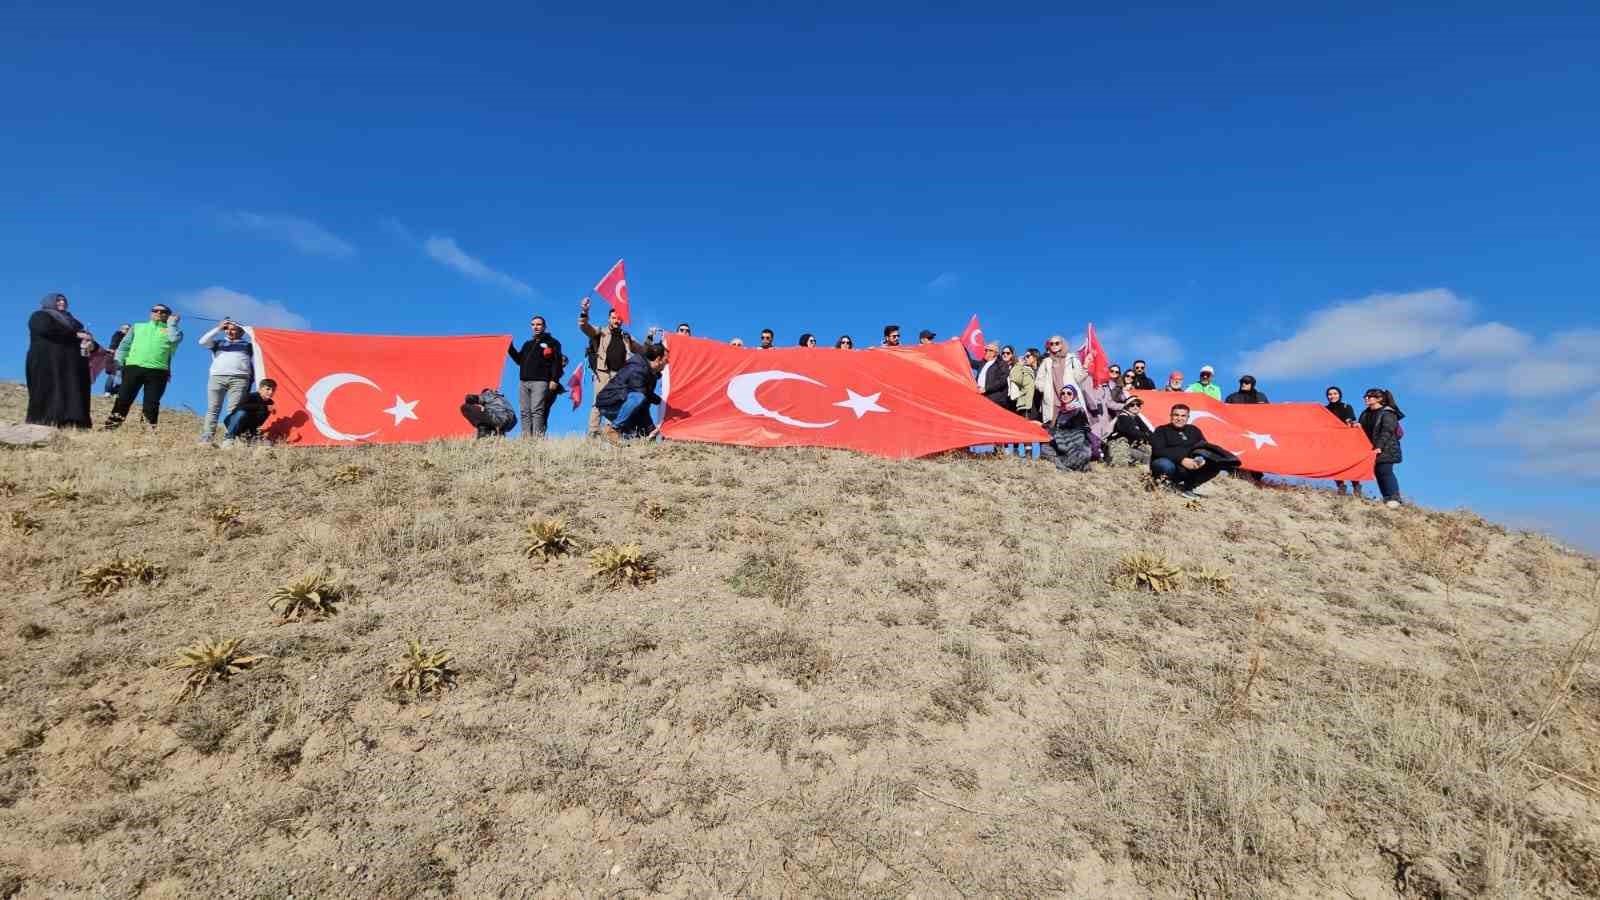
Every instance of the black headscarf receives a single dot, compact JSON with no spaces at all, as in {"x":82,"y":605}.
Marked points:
{"x":48,"y":304}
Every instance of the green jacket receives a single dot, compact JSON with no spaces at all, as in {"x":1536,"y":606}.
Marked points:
{"x":1210,"y":390}
{"x":1022,"y":386}
{"x":149,"y":346}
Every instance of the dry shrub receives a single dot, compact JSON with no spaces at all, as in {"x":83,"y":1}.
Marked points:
{"x":118,"y":573}
{"x":349,"y":474}
{"x":1448,"y":551}
{"x":226,"y":520}
{"x":616,"y":565}
{"x":422,"y":671}
{"x":59,"y":494}
{"x":1235,"y":531}
{"x":32,"y":631}
{"x":23,"y":522}
{"x":547,"y":539}
{"x":313,"y":596}
{"x":1213,"y":580}
{"x":1146,"y":571}
{"x":797,"y":656}
{"x":776,"y":576}
{"x":210,"y":661}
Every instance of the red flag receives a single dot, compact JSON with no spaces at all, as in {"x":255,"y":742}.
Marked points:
{"x":1298,"y":439}
{"x":972,"y":338}
{"x":363,"y":389}
{"x":1093,"y":357}
{"x":575,"y":386}
{"x":614,"y":288}
{"x":904,"y":402}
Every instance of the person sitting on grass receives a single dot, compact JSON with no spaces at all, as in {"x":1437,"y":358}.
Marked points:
{"x":1181,"y":456}
{"x":1129,"y":443}
{"x":244,"y":421}
{"x":1069,"y":433}
{"x":624,"y":402}
{"x":490,"y":412}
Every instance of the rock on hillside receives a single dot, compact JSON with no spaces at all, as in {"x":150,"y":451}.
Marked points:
{"x":847,"y":677}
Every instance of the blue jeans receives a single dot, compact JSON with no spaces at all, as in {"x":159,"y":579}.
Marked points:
{"x":1388,"y":485}
{"x":242,"y":424}
{"x":1183,"y":479}
{"x":632,"y":417}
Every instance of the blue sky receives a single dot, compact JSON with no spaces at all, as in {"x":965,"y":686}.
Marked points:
{"x":1352,"y":196}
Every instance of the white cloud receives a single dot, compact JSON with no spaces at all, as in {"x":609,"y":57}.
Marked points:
{"x":218,"y":302}
{"x":302,"y":234}
{"x":1567,"y":444}
{"x":944,"y":283}
{"x":1124,"y":343}
{"x":1491,"y":339}
{"x":1377,"y":329}
{"x":446,"y":251}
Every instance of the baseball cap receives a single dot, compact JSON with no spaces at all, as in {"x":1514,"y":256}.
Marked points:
{"x":925,"y":333}
{"x":1207,"y":370}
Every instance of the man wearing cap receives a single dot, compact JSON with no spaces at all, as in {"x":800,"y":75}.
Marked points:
{"x":1205,"y":385}
{"x":1129,"y":441}
{"x":145,"y":357}
{"x":925,"y":336}
{"x":1247,"y":392}
{"x":1174,"y":382}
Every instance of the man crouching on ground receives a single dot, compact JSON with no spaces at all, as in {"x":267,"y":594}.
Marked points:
{"x":1176,"y":457}
{"x":624,"y":402}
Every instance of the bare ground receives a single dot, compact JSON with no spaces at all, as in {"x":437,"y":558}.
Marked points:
{"x":851,"y":678}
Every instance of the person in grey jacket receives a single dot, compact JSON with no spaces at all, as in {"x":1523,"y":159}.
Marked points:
{"x":232,"y":370}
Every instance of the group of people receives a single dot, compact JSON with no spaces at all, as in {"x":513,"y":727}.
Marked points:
{"x":1087,"y":422}
{"x":64,"y":359}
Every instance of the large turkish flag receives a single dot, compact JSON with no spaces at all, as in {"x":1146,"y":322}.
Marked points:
{"x":899,"y":402}
{"x":364,"y":389}
{"x":1298,"y":439}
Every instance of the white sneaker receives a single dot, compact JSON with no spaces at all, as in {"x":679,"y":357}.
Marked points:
{"x":229,"y":443}
{"x":1393,"y":504}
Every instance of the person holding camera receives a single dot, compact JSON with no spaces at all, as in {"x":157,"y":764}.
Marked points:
{"x":490,"y":412}
{"x":540,"y":365}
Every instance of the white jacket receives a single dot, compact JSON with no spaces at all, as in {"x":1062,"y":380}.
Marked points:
{"x":1049,"y":391}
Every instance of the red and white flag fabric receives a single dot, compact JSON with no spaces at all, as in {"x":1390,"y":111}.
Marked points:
{"x":614,"y":288}
{"x":1093,"y":357}
{"x":575,"y":386}
{"x":972,"y":338}
{"x":909,"y":402}
{"x":339,"y":389}
{"x":1296,"y":439}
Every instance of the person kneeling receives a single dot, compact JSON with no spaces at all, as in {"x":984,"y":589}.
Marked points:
{"x":624,"y":402}
{"x":1129,"y":442}
{"x":246,"y":419}
{"x":489,"y":412}
{"x":1181,"y":456}
{"x":1070,"y":445}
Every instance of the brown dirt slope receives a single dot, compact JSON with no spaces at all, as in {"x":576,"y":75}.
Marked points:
{"x":851,"y":678}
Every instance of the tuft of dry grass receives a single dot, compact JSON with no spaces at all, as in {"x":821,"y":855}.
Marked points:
{"x":349,"y":474}
{"x":118,"y":573}
{"x":1146,"y":571}
{"x":422,"y":671}
{"x":777,"y":576}
{"x":226,"y":519}
{"x":312,"y":596}
{"x":24,"y":522}
{"x":1213,"y":580}
{"x":616,"y":565}
{"x":59,"y":494}
{"x":547,"y":539}
{"x":207,"y":662}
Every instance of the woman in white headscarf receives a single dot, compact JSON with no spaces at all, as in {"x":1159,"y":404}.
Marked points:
{"x":59,"y":348}
{"x":1059,"y":368}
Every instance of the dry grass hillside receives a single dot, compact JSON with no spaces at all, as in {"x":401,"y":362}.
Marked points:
{"x":838,"y":676}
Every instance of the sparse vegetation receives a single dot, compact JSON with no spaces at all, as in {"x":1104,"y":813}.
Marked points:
{"x":422,"y":671}
{"x":118,"y":573}
{"x":24,"y":522}
{"x":312,"y":596}
{"x":1146,"y":571}
{"x":208,"y":662}
{"x":626,"y":564}
{"x":548,"y":539}
{"x":777,"y":576}
{"x":1213,"y":580}
{"x":348,"y":474}
{"x":226,"y":519}
{"x":59,"y":494}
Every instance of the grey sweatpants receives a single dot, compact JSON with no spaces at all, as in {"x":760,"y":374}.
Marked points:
{"x":223,"y":393}
{"x":535,"y":398}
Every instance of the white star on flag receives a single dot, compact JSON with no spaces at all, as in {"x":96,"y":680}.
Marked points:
{"x":1260,"y":439}
{"x":860,"y":405}
{"x":402,"y":410}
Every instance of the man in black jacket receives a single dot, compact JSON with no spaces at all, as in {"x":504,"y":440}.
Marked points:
{"x":994,"y":375}
{"x":1175,"y":456}
{"x":624,"y":403}
{"x":1247,"y":392}
{"x":1141,"y":378}
{"x":540,"y":366}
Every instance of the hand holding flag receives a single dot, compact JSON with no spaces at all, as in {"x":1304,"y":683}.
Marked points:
{"x":614,"y":288}
{"x":972,"y":338}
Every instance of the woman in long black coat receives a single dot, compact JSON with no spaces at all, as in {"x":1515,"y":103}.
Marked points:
{"x":58,"y":366}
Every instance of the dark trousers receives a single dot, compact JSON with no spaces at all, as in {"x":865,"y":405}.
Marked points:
{"x":482,"y":421}
{"x":154,"y":383}
{"x":1388,"y":485}
{"x":1181,"y":478}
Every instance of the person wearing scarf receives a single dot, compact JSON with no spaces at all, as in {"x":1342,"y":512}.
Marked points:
{"x":1342,"y":411}
{"x":59,"y":348}
{"x":1060,"y":368}
{"x":1069,"y":433}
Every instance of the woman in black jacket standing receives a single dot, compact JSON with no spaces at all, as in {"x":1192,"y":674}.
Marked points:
{"x":1381,"y":421}
{"x":1342,"y":411}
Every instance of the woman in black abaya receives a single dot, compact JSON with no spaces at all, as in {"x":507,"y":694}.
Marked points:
{"x":58,"y":366}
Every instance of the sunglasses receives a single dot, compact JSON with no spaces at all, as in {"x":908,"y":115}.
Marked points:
{"x":162,"y":312}
{"x":1054,"y":344}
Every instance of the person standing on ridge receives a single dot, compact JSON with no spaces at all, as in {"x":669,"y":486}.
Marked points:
{"x":1381,"y":422}
{"x":1060,"y":368}
{"x":540,"y":365}
{"x":1141,"y":379}
{"x":232,"y":366}
{"x":609,"y":348}
{"x":59,"y":348}
{"x":1205,"y":385}
{"x":1247,"y":392}
{"x":1344,"y":413}
{"x":146,"y":360}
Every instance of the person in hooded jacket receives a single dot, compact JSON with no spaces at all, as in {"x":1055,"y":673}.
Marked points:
{"x":59,"y":348}
{"x":624,"y":402}
{"x":1381,"y":422}
{"x":1342,"y":411}
{"x":1247,"y":392}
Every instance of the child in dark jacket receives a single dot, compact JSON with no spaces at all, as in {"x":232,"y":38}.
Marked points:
{"x":246,"y":419}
